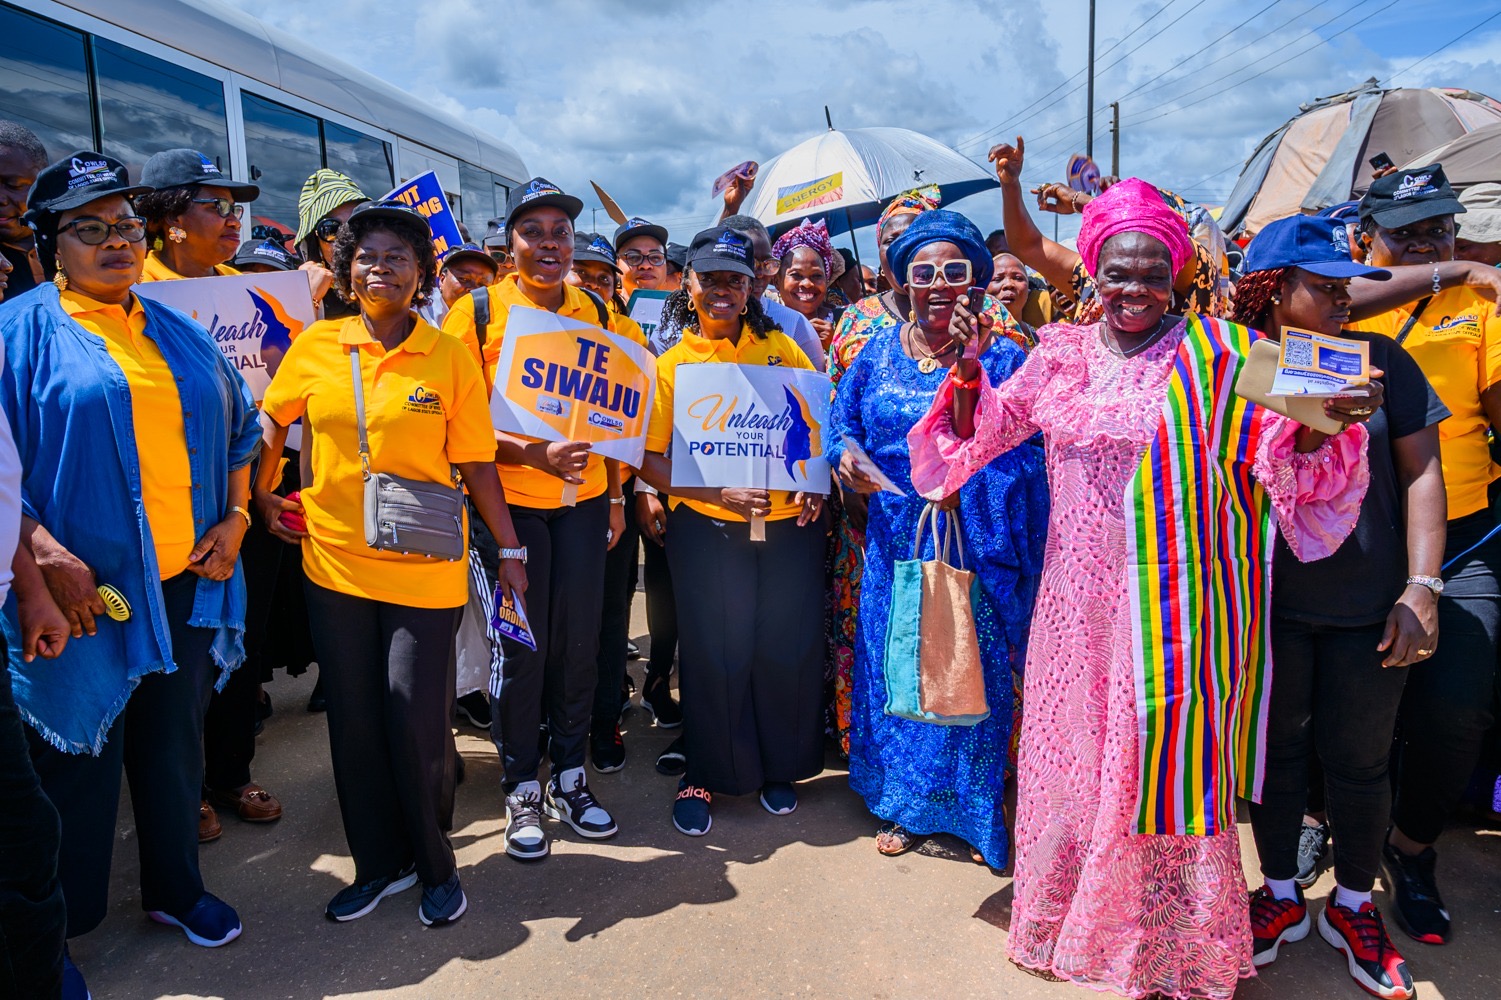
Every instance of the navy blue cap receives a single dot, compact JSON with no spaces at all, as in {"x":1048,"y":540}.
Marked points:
{"x":677,"y":256}
{"x":1347,"y":210}
{"x":181,"y":167}
{"x":268,"y":252}
{"x":536,"y":193}
{"x":78,"y":180}
{"x":466,"y":251}
{"x":1318,"y":245}
{"x":636,"y":226}
{"x":722,"y":249}
{"x":593,"y":247}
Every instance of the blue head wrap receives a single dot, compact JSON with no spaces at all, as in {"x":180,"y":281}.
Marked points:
{"x":942,"y":226}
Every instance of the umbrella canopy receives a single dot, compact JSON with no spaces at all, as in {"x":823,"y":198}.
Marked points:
{"x":1473,"y":158}
{"x":847,"y":176}
{"x":1321,"y":157}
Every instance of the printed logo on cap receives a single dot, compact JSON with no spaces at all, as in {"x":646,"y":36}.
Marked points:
{"x":209,"y":166}
{"x":269,"y":250}
{"x":538,"y":188}
{"x":85,"y":173}
{"x":636,"y":222}
{"x":599,"y":245}
{"x":1414,"y":186}
{"x":732,"y":243}
{"x":1340,"y":237}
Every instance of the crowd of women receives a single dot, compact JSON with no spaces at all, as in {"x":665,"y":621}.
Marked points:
{"x":1183,"y":599}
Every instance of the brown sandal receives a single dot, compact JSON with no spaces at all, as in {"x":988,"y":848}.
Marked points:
{"x":893,"y":839}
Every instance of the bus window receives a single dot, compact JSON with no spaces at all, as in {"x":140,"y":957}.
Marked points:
{"x":44,"y":82}
{"x":366,"y":159}
{"x":147,"y":105}
{"x":283,"y":150}
{"x":478,"y":197}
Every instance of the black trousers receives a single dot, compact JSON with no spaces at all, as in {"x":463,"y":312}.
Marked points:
{"x":555,"y":682}
{"x":751,"y":650}
{"x":661,"y":612}
{"x":621,"y":572}
{"x":32,"y":916}
{"x":1332,"y":702}
{"x":158,"y":743}
{"x":388,"y":671}
{"x":1447,"y":707}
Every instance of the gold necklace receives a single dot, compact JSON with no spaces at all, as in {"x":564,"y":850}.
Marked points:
{"x":928,"y":363}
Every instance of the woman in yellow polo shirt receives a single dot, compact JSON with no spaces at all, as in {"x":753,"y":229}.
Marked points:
{"x":568,"y":509}
{"x":384,"y":621}
{"x":192,"y":215}
{"x":1454,"y":334}
{"x":750,"y":613}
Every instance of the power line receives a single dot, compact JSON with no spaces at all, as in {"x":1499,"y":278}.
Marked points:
{"x":1456,"y":38}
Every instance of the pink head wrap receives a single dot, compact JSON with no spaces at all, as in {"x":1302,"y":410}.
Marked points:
{"x":1132,"y":206}
{"x":810,"y":234}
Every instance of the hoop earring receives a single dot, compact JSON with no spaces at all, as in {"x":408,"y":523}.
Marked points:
{"x":60,"y":279}
{"x":176,"y":234}
{"x":745,"y":309}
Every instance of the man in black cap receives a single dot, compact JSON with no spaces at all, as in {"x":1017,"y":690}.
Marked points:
{"x":497,"y":246}
{"x":265,"y":257}
{"x":642,"y":249}
{"x":461,"y":270}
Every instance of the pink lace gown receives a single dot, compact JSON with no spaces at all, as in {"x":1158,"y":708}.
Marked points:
{"x":1095,"y":902}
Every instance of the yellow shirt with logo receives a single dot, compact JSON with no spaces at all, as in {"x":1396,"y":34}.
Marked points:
{"x":776,"y":348}
{"x":424,"y":411}
{"x":156,"y":412}
{"x":1457,"y":343}
{"x":157,"y":270}
{"x":525,"y":485}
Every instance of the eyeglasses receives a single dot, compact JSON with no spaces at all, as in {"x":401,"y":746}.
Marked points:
{"x":92,"y":231}
{"x":500,"y":255}
{"x":635,"y":258}
{"x":328,"y":229}
{"x":224,"y":207}
{"x":767,"y":267}
{"x":954,"y":272}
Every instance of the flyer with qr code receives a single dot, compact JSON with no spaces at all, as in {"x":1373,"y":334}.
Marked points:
{"x":1311,"y":364}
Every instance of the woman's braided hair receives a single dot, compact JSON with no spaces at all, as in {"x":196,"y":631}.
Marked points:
{"x":678,"y":312}
{"x":1253,"y":297}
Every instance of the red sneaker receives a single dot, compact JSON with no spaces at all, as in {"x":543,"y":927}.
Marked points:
{"x":1275,"y":922}
{"x":1374,"y":962}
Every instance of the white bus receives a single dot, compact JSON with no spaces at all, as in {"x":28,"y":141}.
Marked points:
{"x":133,"y":77}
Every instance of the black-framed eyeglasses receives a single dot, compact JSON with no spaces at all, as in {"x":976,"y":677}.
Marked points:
{"x":328,"y":230}
{"x":92,"y":231}
{"x":223,"y":207}
{"x":635,"y":258}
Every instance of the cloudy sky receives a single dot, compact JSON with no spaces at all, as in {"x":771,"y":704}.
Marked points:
{"x":654,"y":99}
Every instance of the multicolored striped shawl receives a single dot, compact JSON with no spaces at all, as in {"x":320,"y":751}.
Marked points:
{"x":1199,"y":543}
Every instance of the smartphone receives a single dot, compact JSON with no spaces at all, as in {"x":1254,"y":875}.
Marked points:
{"x":1381,"y":162}
{"x":976,"y":297}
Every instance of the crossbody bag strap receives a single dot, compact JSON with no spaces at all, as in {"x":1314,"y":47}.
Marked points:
{"x":1412,"y":321}
{"x":359,"y":408}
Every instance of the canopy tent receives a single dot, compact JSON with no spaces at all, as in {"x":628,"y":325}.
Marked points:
{"x":1473,"y":158}
{"x":1321,"y":156}
{"x":847,"y":176}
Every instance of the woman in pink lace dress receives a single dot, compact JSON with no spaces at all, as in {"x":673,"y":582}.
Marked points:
{"x":1097,"y":902}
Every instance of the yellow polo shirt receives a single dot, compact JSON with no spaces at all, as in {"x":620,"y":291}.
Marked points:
{"x":527,"y":486}
{"x":775,"y":349}
{"x":156,"y":412}
{"x":1457,"y":343}
{"x":157,"y":270}
{"x":424,"y":410}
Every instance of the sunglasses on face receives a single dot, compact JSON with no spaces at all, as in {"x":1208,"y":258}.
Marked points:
{"x":953,"y":272}
{"x":132,"y":229}
{"x":328,"y":229}
{"x":635,"y":258}
{"x":223,"y":207}
{"x":767,"y":267}
{"x":500,"y":255}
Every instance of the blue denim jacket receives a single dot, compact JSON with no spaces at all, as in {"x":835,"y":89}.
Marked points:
{"x":69,"y":408}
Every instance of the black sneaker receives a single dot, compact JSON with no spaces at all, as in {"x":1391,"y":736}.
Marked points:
{"x":474,"y":707}
{"x":1417,"y":906}
{"x":607,"y":750}
{"x":317,"y":702}
{"x":442,"y":904}
{"x":690,"y":811}
{"x":525,"y":839}
{"x":673,"y":761}
{"x":355,"y":901}
{"x":657,"y":699}
{"x":1313,"y":846}
{"x":569,"y":800}
{"x":779,"y":798}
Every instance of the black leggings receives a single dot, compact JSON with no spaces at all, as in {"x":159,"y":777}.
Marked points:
{"x":387,"y":671}
{"x":1331,"y":697}
{"x":661,"y":612}
{"x":615,"y":622}
{"x":1446,"y":709}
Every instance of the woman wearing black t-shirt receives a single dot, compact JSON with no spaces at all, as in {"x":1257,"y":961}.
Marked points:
{"x":1344,"y":628}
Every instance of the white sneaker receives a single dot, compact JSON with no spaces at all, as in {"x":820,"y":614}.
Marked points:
{"x":525,"y":838}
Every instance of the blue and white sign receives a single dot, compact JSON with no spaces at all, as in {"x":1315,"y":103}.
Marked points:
{"x":425,"y":193}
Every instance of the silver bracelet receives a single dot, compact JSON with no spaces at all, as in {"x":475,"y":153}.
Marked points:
{"x":1437,"y":287}
{"x":618,"y":500}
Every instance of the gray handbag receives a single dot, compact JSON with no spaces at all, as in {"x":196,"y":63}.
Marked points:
{"x":407,"y":515}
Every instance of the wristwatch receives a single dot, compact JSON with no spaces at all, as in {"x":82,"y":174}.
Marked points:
{"x":1433,"y":583}
{"x":517,"y":553}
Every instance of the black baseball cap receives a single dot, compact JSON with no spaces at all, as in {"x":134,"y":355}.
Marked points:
{"x":78,"y":180}
{"x":268,"y":252}
{"x":395,"y":211}
{"x":1409,"y":196}
{"x":634,"y":227}
{"x":593,"y":247}
{"x":722,"y":249}
{"x":536,"y":193}
{"x":677,"y":256}
{"x":179,"y":167}
{"x":495,"y":234}
{"x":466,"y":251}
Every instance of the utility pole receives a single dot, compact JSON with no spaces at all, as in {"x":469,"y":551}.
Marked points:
{"x":1089,"y":135}
{"x":1115,"y":138}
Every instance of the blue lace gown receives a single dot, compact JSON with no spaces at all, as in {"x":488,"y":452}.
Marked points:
{"x":930,"y":778}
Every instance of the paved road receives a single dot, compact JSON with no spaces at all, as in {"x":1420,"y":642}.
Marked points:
{"x":762,"y":907}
